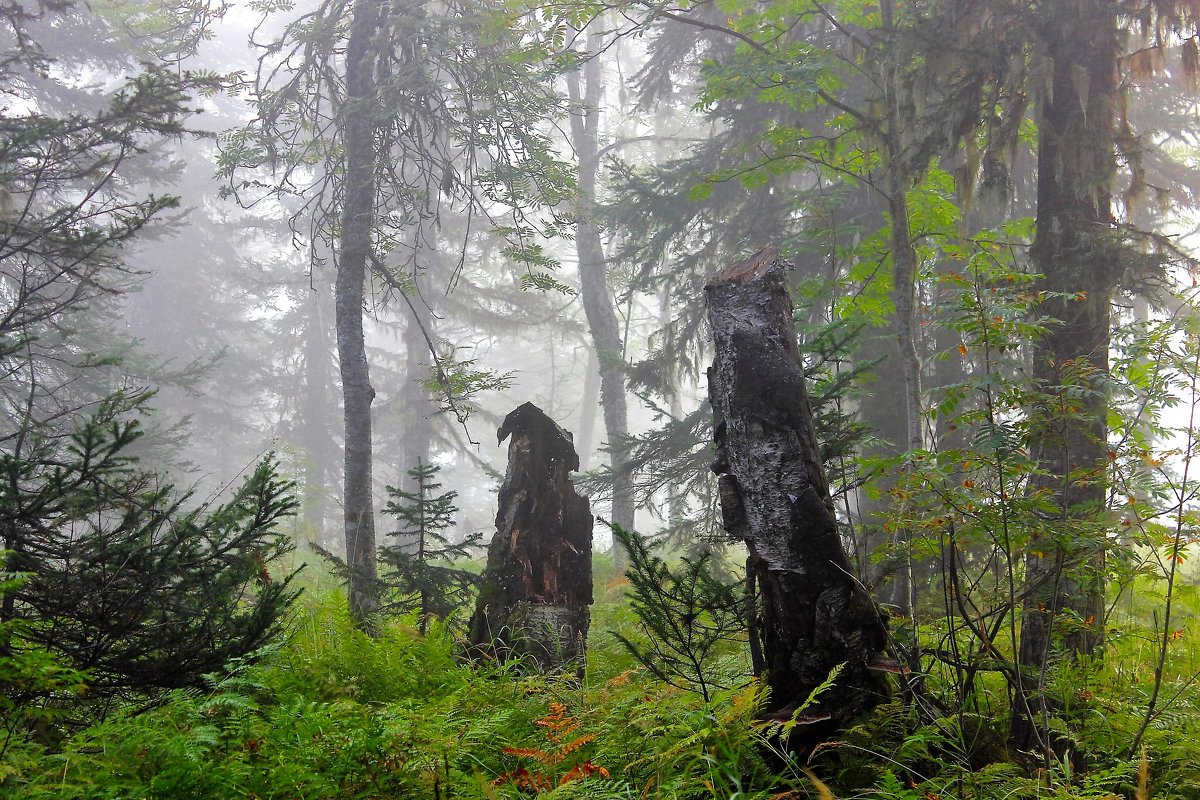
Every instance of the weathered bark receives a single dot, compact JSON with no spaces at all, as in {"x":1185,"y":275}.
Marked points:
{"x":815,"y":614}
{"x":1077,"y":251}
{"x":597,"y":298}
{"x":358,"y":216}
{"x":536,"y":591}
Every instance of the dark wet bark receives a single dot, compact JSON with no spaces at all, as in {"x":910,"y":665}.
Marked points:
{"x":536,"y":591}
{"x":357,"y":221}
{"x":815,"y":614}
{"x":1077,"y":251}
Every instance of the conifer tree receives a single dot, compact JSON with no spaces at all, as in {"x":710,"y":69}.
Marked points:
{"x":686,"y":614}
{"x":122,"y":578}
{"x":419,"y":567}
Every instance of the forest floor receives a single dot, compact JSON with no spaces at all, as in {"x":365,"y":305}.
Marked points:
{"x":332,"y":713}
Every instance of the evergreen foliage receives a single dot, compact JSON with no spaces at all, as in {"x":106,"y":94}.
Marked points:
{"x":685,"y":614}
{"x":28,"y":676}
{"x":419,"y":567}
{"x":64,"y":222}
{"x":120,"y":579}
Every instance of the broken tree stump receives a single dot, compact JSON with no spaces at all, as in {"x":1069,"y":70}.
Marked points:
{"x":537,"y":588}
{"x":815,"y":615}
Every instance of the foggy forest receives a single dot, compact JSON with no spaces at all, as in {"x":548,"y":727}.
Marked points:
{"x":643,"y":399}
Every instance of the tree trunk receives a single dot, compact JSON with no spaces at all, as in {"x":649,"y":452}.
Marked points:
{"x":587,"y":409}
{"x":675,"y":499}
{"x":904,"y":287}
{"x":1076,"y":250}
{"x":597,"y":297}
{"x":416,"y":409}
{"x":536,"y":590}
{"x":316,"y":414}
{"x":815,"y":614}
{"x":888,"y":420}
{"x":357,"y":221}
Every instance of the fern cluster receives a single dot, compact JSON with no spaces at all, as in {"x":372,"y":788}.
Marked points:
{"x":333,"y":713}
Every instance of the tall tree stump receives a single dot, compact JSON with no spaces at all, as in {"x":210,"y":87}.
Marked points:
{"x":815,"y":615}
{"x":536,"y":591}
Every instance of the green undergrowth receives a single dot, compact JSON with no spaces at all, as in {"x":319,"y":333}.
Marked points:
{"x":331,"y":713}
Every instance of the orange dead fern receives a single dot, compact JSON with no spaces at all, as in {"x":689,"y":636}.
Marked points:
{"x":550,"y":763}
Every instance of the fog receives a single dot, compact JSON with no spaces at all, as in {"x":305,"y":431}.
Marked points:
{"x":485,"y":199}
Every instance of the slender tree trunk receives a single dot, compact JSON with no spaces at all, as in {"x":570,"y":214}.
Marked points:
{"x":904,"y":289}
{"x":815,"y":614}
{"x":587,"y":411}
{"x":597,"y":297}
{"x":888,"y":420}
{"x":422,"y":537}
{"x":1077,"y":251}
{"x":416,"y":409}
{"x":316,"y":414}
{"x":904,"y":323}
{"x":675,"y":502}
{"x":358,"y":219}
